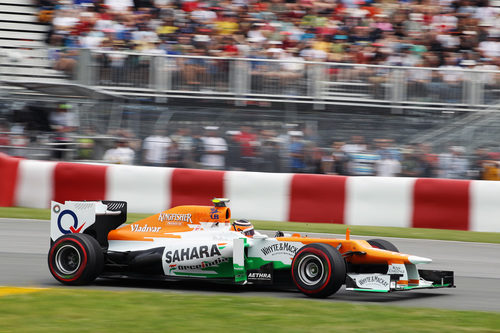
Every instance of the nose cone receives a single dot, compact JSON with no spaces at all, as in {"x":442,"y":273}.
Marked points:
{"x":419,"y":260}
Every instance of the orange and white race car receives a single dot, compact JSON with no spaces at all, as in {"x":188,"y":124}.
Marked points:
{"x":90,"y":240}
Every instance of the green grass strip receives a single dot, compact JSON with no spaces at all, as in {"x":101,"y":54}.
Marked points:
{"x":25,"y":213}
{"x":440,"y":234}
{"x":421,"y":233}
{"x":78,"y":310}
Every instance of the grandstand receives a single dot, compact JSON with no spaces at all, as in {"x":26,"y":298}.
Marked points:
{"x":177,"y":79}
{"x":24,"y":53}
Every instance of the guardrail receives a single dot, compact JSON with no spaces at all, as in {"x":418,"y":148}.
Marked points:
{"x":289,"y":80}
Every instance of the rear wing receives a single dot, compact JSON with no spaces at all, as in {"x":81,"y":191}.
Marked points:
{"x":95,"y":218}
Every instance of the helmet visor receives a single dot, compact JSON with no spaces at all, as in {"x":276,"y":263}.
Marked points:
{"x":248,"y":232}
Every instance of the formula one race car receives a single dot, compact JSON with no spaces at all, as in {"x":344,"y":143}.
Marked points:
{"x":89,"y":241}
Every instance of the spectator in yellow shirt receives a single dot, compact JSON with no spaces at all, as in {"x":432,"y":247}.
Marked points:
{"x":323,"y":44}
{"x":228,"y":25}
{"x":167,"y":27}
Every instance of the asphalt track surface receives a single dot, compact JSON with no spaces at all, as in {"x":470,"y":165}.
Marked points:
{"x":23,"y":262}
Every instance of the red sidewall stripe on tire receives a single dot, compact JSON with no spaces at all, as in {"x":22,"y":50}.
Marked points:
{"x":82,"y":265}
{"x":329,"y":272}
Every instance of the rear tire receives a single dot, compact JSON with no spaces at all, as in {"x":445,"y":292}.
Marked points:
{"x":76,"y":259}
{"x":318,"y":270}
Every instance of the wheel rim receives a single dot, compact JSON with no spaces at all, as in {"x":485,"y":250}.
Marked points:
{"x":311,"y":270}
{"x":68,"y":259}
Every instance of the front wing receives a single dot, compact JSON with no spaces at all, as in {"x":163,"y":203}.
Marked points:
{"x":376,"y":282}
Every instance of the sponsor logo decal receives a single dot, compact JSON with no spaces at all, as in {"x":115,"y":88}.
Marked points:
{"x":175,"y":223}
{"x":137,"y":228}
{"x":373,"y":280}
{"x":75,"y":229}
{"x":396,"y":269}
{"x":259,"y":276}
{"x":214,"y":213}
{"x":164,"y":217}
{"x":204,"y":264}
{"x":280,"y":248}
{"x":172,"y":268}
{"x":190,"y":253}
{"x":263,"y":275}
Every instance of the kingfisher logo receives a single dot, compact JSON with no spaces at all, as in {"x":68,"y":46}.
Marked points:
{"x":73,"y":229}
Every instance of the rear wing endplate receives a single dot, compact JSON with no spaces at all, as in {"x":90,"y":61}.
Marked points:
{"x":95,"y":218}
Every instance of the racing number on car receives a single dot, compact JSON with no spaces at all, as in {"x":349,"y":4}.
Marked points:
{"x":73,"y":228}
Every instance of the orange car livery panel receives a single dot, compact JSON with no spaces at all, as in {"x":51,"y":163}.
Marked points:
{"x":202,"y":242}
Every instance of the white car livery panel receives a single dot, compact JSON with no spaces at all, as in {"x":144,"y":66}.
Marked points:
{"x":272,"y":250}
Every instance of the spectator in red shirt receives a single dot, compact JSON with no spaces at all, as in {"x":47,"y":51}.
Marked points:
{"x":248,"y":142}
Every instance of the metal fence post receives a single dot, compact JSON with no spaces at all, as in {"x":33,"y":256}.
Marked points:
{"x":397,"y":91}
{"x":239,"y":75}
{"x":470,"y":77}
{"x":315,"y":86}
{"x":157,"y":77}
{"x":475,"y":88}
{"x":404,"y":85}
{"x":480,"y":84}
{"x":84,"y":70}
{"x":168,"y":71}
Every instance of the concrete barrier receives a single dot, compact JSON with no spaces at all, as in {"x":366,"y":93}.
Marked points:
{"x":8,"y":180}
{"x":375,"y":201}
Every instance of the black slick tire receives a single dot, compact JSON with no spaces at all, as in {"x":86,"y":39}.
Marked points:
{"x":318,"y":270}
{"x":75,"y":259}
{"x":383,"y":244}
{"x":378,"y":268}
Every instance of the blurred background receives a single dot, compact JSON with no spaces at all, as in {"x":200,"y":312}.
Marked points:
{"x":348,"y":87}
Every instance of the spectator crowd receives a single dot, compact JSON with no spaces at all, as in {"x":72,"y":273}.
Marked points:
{"x":286,"y":148}
{"x":423,"y":33}
{"x":265,"y":150}
{"x":445,"y":34}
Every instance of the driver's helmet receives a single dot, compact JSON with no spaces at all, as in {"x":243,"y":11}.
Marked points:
{"x":244,"y":226}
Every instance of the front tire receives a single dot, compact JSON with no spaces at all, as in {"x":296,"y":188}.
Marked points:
{"x":382,"y":244}
{"x":76,"y":259}
{"x":378,"y":268}
{"x":318,"y":270}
